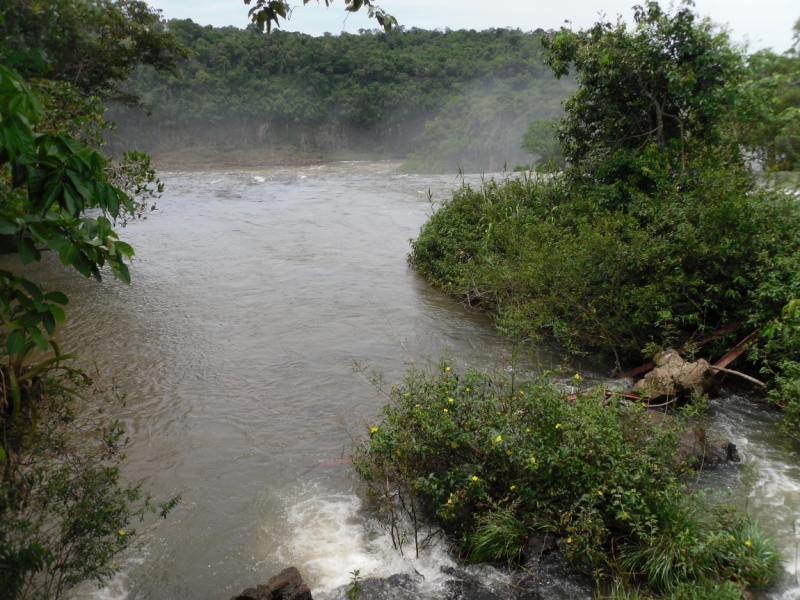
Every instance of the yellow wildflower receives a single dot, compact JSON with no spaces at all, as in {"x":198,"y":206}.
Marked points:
{"x":447,"y":368}
{"x":533,"y":460}
{"x":406,"y":395}
{"x":498,"y":439}
{"x":445,"y":410}
{"x":599,"y":492}
{"x":121,"y":532}
{"x":449,"y":500}
{"x":374,"y":430}
{"x":453,"y":445}
{"x":417,"y":405}
{"x":450,"y":400}
{"x":748,"y":543}
{"x":522,"y":392}
{"x":624,"y":516}
{"x":513,"y":487}
{"x":467,"y":389}
{"x":474,"y":478}
{"x":577,"y":377}
{"x":569,"y":540}
{"x":558,"y":425}
{"x":508,"y":452}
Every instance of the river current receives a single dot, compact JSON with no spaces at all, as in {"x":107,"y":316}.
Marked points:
{"x":253,"y":293}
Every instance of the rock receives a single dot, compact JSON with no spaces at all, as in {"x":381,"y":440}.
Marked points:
{"x":286,"y":585}
{"x":673,"y":377}
{"x":399,"y":586}
{"x":692,"y":442}
{"x":538,"y":546}
{"x":720,"y":451}
{"x":549,"y":576}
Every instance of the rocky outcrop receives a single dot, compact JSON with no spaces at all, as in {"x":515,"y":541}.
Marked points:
{"x":673,"y":378}
{"x":286,"y":585}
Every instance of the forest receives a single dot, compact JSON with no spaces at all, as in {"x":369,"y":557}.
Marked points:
{"x":445,"y":98}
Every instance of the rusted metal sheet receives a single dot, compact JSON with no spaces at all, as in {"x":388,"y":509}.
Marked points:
{"x":702,"y":341}
{"x":737,"y":351}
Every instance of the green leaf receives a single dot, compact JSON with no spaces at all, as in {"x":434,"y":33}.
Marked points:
{"x":27,"y":250}
{"x":34,"y":291}
{"x":83,"y":264}
{"x":125,"y":249}
{"x":103,"y":227}
{"x":68,"y":253}
{"x":8,"y":227}
{"x":122,"y":273}
{"x":15,"y":342}
{"x":57,"y":312}
{"x":38,"y":338}
{"x":56,"y":297}
{"x":49,"y":322}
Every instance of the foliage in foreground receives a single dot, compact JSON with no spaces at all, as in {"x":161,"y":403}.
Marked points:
{"x":493,"y":462}
{"x":64,"y":507}
{"x":65,"y":510}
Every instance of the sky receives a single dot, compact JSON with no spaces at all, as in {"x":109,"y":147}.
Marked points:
{"x":761,"y":24}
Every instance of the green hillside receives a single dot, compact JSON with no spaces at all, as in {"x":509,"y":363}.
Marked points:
{"x":441,"y":98}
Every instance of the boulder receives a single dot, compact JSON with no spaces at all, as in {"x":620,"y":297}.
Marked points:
{"x":674,"y":377}
{"x":286,"y":585}
{"x":539,"y":545}
{"x":692,"y":442}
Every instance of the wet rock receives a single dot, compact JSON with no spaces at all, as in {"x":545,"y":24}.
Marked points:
{"x":539,"y":545}
{"x":720,"y":451}
{"x":692,"y":443}
{"x":673,"y":377}
{"x":395,"y":587}
{"x":549,"y":576}
{"x":286,"y":585}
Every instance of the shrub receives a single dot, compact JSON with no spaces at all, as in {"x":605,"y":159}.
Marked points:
{"x":547,"y":257}
{"x":492,"y":462}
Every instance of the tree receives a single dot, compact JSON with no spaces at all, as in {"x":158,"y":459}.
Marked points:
{"x":95,"y":46}
{"x":266,"y":12}
{"x":669,"y":82}
{"x":540,"y":140}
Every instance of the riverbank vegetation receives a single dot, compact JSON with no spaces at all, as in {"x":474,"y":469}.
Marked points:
{"x":496,"y":463}
{"x":446,"y":98}
{"x":65,"y":509}
{"x":658,"y":230}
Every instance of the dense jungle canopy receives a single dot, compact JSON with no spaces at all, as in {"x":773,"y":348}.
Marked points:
{"x":452,"y":97}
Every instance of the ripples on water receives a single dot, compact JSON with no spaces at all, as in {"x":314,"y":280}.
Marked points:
{"x":253,"y":292}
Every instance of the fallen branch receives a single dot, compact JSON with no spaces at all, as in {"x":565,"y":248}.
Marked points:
{"x":738,"y":374}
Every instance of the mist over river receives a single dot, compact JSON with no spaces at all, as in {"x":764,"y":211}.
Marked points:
{"x":253,"y":293}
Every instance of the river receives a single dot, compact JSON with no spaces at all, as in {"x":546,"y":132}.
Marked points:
{"x":253,"y":293}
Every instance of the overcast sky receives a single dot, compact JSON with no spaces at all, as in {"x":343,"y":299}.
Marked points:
{"x":764,"y":23}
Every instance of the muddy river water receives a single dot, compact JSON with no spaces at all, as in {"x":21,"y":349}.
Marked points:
{"x":253,"y":293}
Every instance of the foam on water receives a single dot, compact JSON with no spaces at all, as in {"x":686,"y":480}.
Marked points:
{"x":331,"y":536}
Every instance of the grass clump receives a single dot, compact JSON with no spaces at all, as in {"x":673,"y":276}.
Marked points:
{"x":493,"y":463}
